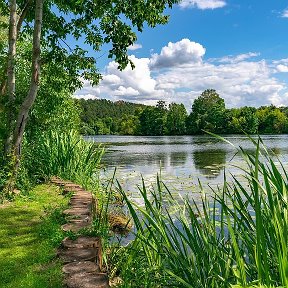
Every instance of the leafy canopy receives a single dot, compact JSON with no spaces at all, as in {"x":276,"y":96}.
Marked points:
{"x":93,"y":23}
{"x":207,"y":113}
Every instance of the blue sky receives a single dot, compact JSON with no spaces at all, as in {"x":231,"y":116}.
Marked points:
{"x":238,"y":47}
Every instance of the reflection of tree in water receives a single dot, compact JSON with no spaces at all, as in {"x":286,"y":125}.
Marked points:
{"x":125,"y":159}
{"x":209,"y":162}
{"x":275,"y":151}
{"x":178,"y":158}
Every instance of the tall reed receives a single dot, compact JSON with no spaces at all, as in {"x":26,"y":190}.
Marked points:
{"x":68,"y":156}
{"x":237,"y":238}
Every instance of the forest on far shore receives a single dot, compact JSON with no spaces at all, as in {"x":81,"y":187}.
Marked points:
{"x":101,"y":116}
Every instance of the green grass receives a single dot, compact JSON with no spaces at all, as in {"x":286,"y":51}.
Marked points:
{"x":29,"y":234}
{"x":237,"y":238}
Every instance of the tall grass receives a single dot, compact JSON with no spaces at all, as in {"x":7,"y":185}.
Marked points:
{"x":237,"y":238}
{"x":67,"y":156}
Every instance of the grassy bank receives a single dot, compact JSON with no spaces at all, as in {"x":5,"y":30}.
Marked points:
{"x":29,"y":234}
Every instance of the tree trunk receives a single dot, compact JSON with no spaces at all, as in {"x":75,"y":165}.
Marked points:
{"x":11,"y":69}
{"x":30,"y":98}
{"x":34,"y":84}
{"x":3,"y":85}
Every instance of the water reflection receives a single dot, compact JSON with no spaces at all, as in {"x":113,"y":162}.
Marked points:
{"x":210,"y":163}
{"x":178,"y":158}
{"x":182,"y":159}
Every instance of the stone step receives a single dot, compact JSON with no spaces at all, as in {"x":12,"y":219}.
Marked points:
{"x":80,"y":267}
{"x":58,"y":181}
{"x":77,"y":211}
{"x":72,"y":185}
{"x":84,"y":218}
{"x":67,"y":190}
{"x":87,"y":280}
{"x":80,"y":203}
{"x":75,"y":226}
{"x":83,"y":193}
{"x":81,"y":242}
{"x":86,"y":197}
{"x":78,"y":254}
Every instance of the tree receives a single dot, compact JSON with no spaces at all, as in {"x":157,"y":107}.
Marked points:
{"x":98,"y":22}
{"x":207,"y":113}
{"x":241,"y":120}
{"x":176,"y":119}
{"x":153,"y":120}
{"x":272,"y":120}
{"x":129,"y":125}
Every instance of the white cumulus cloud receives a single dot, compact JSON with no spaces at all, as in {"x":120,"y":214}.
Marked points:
{"x":282,"y":68}
{"x":237,"y":58}
{"x":202,"y":4}
{"x":179,"y":53}
{"x":126,"y":91}
{"x":138,"y":78}
{"x":135,"y":46}
{"x":180,"y":73}
{"x":111,"y":79}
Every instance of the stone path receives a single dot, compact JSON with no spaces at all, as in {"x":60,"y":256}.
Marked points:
{"x":82,"y":257}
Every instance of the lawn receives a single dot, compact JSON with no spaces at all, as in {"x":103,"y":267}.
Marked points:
{"x":29,"y":235}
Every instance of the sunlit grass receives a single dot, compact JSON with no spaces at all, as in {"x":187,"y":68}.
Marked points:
{"x":29,"y":234}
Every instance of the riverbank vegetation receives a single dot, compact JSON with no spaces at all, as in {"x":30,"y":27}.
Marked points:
{"x":208,"y":114}
{"x":237,"y":238}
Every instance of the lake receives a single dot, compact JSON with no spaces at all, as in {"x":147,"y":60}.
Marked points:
{"x":181,"y":160}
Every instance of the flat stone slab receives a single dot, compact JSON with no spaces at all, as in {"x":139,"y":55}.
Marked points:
{"x":67,"y":190}
{"x":75,"y":199}
{"x":79,"y":200}
{"x":83,"y":194}
{"x":80,"y":204}
{"x":87,"y":280}
{"x":58,"y":181}
{"x":78,"y":254}
{"x":81,"y":242}
{"x":76,"y":218}
{"x":72,"y":185}
{"x":75,"y":226}
{"x":80,"y":267}
{"x":86,"y":197}
{"x":77,"y":211}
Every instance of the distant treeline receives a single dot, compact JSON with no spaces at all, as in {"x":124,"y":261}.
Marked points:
{"x":102,"y":116}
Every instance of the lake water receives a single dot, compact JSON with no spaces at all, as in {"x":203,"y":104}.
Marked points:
{"x":181,"y":160}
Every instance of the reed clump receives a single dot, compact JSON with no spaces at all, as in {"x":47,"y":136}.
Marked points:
{"x":68,"y":156}
{"x":236,"y":238}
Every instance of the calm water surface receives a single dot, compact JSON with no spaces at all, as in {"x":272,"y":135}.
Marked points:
{"x":182,"y":160}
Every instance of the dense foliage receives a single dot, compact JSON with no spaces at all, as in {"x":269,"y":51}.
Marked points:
{"x":54,"y":110}
{"x":102,"y":116}
{"x":208,"y":113}
{"x":52,"y":39}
